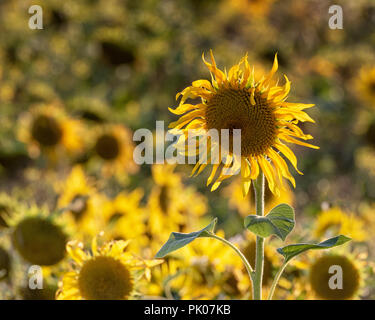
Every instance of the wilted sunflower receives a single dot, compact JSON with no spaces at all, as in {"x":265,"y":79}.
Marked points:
{"x":236,"y":100}
{"x":365,"y":85}
{"x":107,"y":273}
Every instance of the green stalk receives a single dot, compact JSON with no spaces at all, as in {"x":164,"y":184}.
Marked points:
{"x":241,"y":255}
{"x":259,"y":258}
{"x":276,"y":280}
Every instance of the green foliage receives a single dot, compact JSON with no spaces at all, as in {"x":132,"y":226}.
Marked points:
{"x":293,"y":250}
{"x":178,"y":240}
{"x":280,"y":222}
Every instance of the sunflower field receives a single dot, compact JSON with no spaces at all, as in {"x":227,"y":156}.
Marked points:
{"x":81,"y":219}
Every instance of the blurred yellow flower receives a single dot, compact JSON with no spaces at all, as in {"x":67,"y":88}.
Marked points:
{"x":107,"y":273}
{"x":79,"y":198}
{"x":39,"y":236}
{"x":335,"y":221}
{"x":171,"y":205}
{"x":319,"y":276}
{"x":114,"y":147}
{"x":125,"y":218}
{"x":47,"y":128}
{"x":365,"y":85}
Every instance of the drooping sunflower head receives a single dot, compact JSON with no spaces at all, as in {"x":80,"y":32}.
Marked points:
{"x":321,"y":272}
{"x":105,"y":273}
{"x":38,"y":236}
{"x":39,"y":241}
{"x":258,"y":108}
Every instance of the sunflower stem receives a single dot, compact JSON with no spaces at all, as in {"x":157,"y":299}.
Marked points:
{"x":276,"y":280}
{"x":259,"y":257}
{"x":240,"y":254}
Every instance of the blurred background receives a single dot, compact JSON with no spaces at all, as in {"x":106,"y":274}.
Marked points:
{"x":72,"y":94}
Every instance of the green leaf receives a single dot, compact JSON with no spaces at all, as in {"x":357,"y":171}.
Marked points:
{"x":293,"y":250}
{"x":280,"y":222}
{"x":178,"y":240}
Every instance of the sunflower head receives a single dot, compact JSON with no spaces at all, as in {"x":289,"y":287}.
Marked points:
{"x":320,"y":276}
{"x":39,"y":241}
{"x":258,"y":108}
{"x":46,"y":130}
{"x":105,"y":278}
{"x":107,"y":147}
{"x":105,"y":273}
{"x":113,"y":146}
{"x":335,"y":220}
{"x":48,"y":127}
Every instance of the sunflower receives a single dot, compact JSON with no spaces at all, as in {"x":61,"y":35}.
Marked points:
{"x":365,"y":85}
{"x":236,"y":100}
{"x":171,"y":205}
{"x":107,"y":273}
{"x":39,"y":236}
{"x":124,"y":218}
{"x":114,"y":147}
{"x":48,"y":128}
{"x":167,"y":279}
{"x":336,"y":221}
{"x":353,"y":274}
{"x":310,"y":275}
{"x":79,"y":199}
